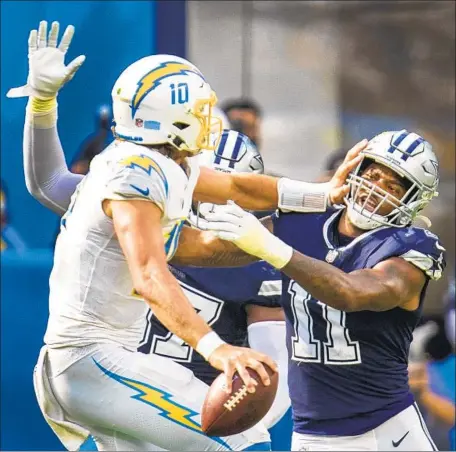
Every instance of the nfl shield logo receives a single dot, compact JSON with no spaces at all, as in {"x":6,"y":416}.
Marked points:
{"x":139,"y":122}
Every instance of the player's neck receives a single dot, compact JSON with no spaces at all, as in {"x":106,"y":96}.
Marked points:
{"x":346,"y":227}
{"x":179,"y":157}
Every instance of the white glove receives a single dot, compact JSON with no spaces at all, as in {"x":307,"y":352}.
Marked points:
{"x":421,"y":337}
{"x":234,"y":224}
{"x":198,"y":219}
{"x":47,"y":70}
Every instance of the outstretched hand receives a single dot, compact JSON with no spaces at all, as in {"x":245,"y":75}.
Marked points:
{"x":230,"y":222}
{"x":47,"y":69}
{"x":338,"y":183}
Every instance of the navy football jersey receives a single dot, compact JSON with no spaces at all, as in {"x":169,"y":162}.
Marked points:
{"x":219,"y":295}
{"x":348,"y":371}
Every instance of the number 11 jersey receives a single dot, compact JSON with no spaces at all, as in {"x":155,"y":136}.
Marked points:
{"x":348,"y":370}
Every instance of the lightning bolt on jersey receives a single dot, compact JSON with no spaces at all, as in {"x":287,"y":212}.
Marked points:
{"x":348,"y":371}
{"x":219,"y":295}
{"x":91,"y":290}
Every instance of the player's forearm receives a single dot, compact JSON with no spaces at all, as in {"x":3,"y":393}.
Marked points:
{"x":251,"y":191}
{"x":202,"y":249}
{"x":254,"y":191}
{"x":334,"y":287}
{"x":140,"y":235}
{"x":167,"y":301}
{"x":46,"y":174}
{"x":438,"y":406}
{"x":259,"y":192}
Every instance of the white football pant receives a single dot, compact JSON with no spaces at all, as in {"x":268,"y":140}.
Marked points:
{"x":129,"y":401}
{"x":405,"y":431}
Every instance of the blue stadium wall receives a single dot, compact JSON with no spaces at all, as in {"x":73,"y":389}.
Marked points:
{"x":112,"y":35}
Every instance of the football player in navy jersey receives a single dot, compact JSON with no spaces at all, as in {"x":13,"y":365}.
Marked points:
{"x":354,"y":280}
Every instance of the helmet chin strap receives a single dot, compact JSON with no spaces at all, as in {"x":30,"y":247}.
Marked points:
{"x":359,"y":220}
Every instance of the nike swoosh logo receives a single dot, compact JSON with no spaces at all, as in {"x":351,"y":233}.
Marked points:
{"x":143,"y":192}
{"x":396,"y":443}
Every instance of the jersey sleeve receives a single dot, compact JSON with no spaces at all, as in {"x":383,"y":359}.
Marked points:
{"x":138,"y":177}
{"x":427,"y":253}
{"x":417,"y":246}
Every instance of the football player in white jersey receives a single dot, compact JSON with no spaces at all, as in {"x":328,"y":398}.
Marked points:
{"x":249,"y":310}
{"x":122,"y":226}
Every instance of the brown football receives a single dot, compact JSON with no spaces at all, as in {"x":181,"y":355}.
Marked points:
{"x":228,"y":414}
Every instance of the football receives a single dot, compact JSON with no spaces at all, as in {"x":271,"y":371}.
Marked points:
{"x":228,"y":414}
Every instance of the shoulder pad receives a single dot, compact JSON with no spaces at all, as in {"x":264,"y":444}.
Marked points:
{"x":138,"y":177}
{"x":423,"y":249}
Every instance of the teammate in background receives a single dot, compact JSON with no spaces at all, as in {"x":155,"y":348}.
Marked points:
{"x":124,"y":223}
{"x":353,"y":289}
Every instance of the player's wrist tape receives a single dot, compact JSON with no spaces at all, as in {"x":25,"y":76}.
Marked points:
{"x":208,"y":343}
{"x":276,"y":253}
{"x":42,"y":113}
{"x":42,"y":106}
{"x":300,"y":196}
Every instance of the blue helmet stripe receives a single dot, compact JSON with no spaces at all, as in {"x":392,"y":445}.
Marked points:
{"x":411,"y":148}
{"x":237,"y":147}
{"x":397,"y":142}
{"x":221,"y":148}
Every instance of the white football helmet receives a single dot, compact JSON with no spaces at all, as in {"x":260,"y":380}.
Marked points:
{"x":235,"y":153}
{"x":411,"y":157}
{"x":165,"y":99}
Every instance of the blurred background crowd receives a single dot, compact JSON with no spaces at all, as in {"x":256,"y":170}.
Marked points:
{"x":304,"y":80}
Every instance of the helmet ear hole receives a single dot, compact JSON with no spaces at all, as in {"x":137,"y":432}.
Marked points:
{"x":181,"y":125}
{"x":177,"y":141}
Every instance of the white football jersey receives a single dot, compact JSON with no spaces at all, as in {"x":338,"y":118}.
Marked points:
{"x":91,"y":291}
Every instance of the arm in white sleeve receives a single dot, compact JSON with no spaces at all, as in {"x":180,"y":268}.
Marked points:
{"x":269,"y":337}
{"x":46,"y":173}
